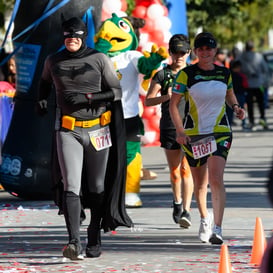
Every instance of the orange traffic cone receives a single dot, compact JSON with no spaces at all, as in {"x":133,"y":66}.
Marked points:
{"x":224,"y":263}
{"x":259,"y":243}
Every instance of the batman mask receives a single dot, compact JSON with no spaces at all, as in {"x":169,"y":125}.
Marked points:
{"x":74,"y":28}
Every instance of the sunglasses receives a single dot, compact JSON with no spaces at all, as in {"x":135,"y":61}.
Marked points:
{"x":179,"y":52}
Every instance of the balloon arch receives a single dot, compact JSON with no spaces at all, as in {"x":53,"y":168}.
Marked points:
{"x":157,"y":30}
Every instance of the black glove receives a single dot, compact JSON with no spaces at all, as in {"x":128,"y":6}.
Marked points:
{"x":41,"y":107}
{"x":77,"y":98}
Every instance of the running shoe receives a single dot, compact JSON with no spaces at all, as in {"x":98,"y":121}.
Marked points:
{"x":216,"y":237}
{"x":132,"y":200}
{"x":177,"y":212}
{"x":93,"y":251}
{"x":73,"y":252}
{"x":250,"y":127}
{"x":185,"y":220}
{"x":205,"y":229}
{"x":264,"y":124}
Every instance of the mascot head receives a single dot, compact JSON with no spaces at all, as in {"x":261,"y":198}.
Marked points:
{"x":119,"y":32}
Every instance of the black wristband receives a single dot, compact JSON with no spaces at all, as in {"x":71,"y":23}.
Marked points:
{"x":235,"y":104}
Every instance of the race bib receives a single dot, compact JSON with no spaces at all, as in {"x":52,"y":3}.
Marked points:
{"x":101,"y":138}
{"x":204,"y":147}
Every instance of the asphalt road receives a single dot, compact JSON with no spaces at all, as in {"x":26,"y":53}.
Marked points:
{"x":32,"y":234}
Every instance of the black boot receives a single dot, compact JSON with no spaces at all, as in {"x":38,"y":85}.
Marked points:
{"x":73,"y":251}
{"x":72,"y":211}
{"x":93,"y":248}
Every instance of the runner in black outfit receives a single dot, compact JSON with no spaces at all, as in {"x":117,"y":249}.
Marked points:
{"x":88,"y":98}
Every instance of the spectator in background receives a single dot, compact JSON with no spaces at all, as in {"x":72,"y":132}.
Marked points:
{"x":267,"y":84}
{"x":7,"y":92}
{"x":4,"y":67}
{"x":240,"y":84}
{"x":256,"y":71}
{"x":11,"y":77}
{"x":235,"y":53}
{"x":221,"y":58}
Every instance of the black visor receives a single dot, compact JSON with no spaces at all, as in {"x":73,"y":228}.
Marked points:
{"x":205,"y":41}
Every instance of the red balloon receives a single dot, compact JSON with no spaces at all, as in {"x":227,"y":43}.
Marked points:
{"x":144,"y":3}
{"x":149,"y":25}
{"x":139,"y":11}
{"x":157,"y":37}
{"x":148,"y":112}
{"x":154,"y":122}
{"x":146,"y":124}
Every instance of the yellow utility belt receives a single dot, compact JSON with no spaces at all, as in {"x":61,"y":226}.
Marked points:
{"x":87,"y":123}
{"x":69,"y":122}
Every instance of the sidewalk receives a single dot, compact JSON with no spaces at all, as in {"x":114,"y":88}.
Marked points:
{"x":32,"y":234}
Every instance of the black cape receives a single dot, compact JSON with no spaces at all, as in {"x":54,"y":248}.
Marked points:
{"x":114,"y":196}
{"x":115,"y":213}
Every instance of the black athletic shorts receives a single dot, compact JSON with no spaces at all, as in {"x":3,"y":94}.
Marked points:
{"x":223,"y":144}
{"x":168,"y":139}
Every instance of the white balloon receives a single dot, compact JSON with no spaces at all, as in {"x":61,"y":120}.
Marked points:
{"x":147,"y":46}
{"x":121,"y":13}
{"x":148,"y":138}
{"x":111,"y":6}
{"x":167,"y":36}
{"x":143,"y":39}
{"x":162,"y":23}
{"x":155,"y":11}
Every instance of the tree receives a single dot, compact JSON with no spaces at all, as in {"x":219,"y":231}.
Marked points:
{"x":5,"y":5}
{"x":231,"y":20}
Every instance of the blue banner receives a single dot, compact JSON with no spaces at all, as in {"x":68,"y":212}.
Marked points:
{"x":178,"y":16}
{"x":26,"y":61}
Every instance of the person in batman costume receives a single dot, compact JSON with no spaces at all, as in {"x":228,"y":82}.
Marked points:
{"x":90,"y":138}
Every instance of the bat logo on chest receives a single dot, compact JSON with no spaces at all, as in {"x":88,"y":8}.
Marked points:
{"x":73,"y":71}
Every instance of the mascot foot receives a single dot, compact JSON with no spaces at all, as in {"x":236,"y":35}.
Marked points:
{"x":132,"y":200}
{"x":93,"y":251}
{"x":147,"y":174}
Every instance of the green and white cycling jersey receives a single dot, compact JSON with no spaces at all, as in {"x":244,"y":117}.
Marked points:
{"x":204,"y":92}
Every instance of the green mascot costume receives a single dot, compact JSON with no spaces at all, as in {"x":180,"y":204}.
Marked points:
{"x":117,"y":38}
